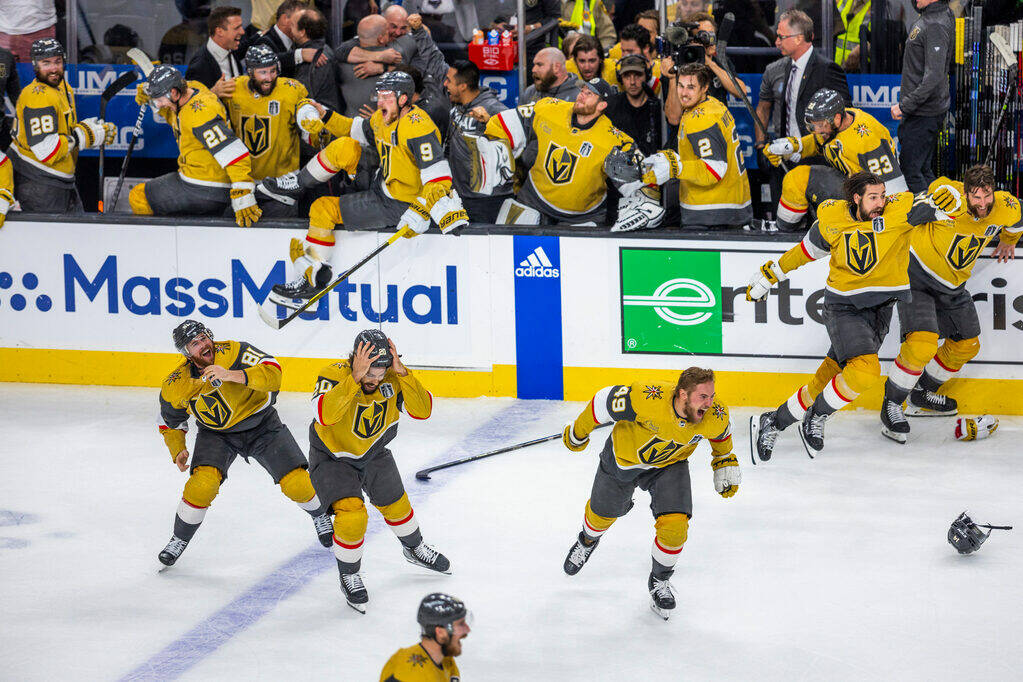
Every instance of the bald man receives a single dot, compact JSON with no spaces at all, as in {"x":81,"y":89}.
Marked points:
{"x":551,"y":78}
{"x":358,"y":77}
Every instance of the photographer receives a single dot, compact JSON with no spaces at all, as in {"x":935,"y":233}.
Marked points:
{"x":693,"y":40}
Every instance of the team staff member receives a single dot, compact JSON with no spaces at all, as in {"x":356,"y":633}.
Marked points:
{"x":445,"y":623}
{"x":713,"y":187}
{"x":214,"y":167}
{"x":924,"y":95}
{"x":849,"y":139}
{"x":941,"y":258}
{"x":657,"y":427}
{"x":357,"y":402}
{"x":49,"y":136}
{"x":264,"y":111}
{"x":867,"y":239}
{"x":230,"y":388}
{"x":412,"y":186}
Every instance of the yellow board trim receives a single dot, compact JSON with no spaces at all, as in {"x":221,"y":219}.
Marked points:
{"x":115,"y":368}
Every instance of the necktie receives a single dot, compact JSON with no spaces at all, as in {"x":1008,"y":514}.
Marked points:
{"x":793,"y":93}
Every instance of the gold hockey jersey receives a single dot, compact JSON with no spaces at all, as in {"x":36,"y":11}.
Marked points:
{"x":864,"y":145}
{"x":351,"y":423}
{"x":43,"y":139}
{"x":870,"y":258}
{"x":946,"y":251}
{"x":648,"y":433}
{"x":267,"y":126}
{"x":209,"y":153}
{"x":411,"y":154}
{"x":714,"y":188}
{"x":413,"y":664}
{"x":565,"y":160}
{"x":227,"y":408}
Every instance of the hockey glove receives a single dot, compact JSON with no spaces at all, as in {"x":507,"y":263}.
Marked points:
{"x":660,"y":167}
{"x":726,"y":475}
{"x":760,"y":284}
{"x":975,"y":428}
{"x":947,"y":200}
{"x":6,"y":201}
{"x":309,"y":119}
{"x":142,"y":95}
{"x":448,"y":213}
{"x":571,"y":442}
{"x":416,"y":218}
{"x":88,"y":133}
{"x":243,"y":201}
{"x":110,"y":132}
{"x":789,"y":148}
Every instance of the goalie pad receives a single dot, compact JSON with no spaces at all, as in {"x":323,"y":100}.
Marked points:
{"x":638,"y":212}
{"x":491,"y":164}
{"x":514,"y":213}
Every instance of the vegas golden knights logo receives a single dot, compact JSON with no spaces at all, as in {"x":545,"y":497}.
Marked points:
{"x":255,"y":133}
{"x":370,"y":419}
{"x":860,"y":251}
{"x":211,"y":409}
{"x":657,"y":451}
{"x":385,"y":161}
{"x":964,"y":250}
{"x":560,"y":164}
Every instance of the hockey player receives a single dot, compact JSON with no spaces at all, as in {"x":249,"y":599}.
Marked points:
{"x":713,"y":187}
{"x":214,"y":167}
{"x":657,"y":427}
{"x":941,"y":258}
{"x":565,"y":147}
{"x":357,"y":402}
{"x":849,"y":139}
{"x":230,"y":389}
{"x":445,"y":623}
{"x":412,"y":187}
{"x":264,"y":111}
{"x":6,"y":186}
{"x":49,"y":136}
{"x":867,"y":238}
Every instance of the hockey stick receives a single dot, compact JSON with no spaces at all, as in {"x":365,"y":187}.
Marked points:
{"x":273,"y":321}
{"x":424,"y":475}
{"x":136,"y":133}
{"x":122,"y":81}
{"x":142,"y":60}
{"x":1002,"y":48}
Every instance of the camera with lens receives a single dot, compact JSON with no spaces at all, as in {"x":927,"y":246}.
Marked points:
{"x":685,"y":43}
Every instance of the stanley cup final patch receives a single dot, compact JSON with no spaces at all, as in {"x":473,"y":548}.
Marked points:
{"x":386,"y":390}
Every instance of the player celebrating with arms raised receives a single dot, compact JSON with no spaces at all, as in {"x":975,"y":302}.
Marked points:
{"x":230,"y":388}
{"x":657,"y":427}
{"x":357,"y":402}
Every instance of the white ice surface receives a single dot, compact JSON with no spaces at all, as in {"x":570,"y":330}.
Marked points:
{"x":830,"y":569}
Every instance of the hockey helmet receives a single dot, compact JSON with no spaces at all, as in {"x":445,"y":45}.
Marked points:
{"x":186,"y":331}
{"x":163,"y":79}
{"x":823,"y":106}
{"x":398,"y":82}
{"x":440,"y":610}
{"x":967,"y":536}
{"x":259,"y":57}
{"x":45,"y":48}
{"x":624,"y":165}
{"x":381,"y":349}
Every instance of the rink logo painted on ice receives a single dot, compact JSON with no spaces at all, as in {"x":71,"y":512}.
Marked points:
{"x":87,"y":285}
{"x":663,"y":312}
{"x":537,"y":264}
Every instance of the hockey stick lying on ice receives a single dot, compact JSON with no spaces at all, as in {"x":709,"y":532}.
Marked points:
{"x":424,"y":475}
{"x":271,"y":318}
{"x":122,"y":81}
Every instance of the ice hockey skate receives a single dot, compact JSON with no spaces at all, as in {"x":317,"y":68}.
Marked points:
{"x":426,"y":556}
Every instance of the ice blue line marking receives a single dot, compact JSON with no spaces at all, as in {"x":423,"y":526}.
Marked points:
{"x":251,"y":606}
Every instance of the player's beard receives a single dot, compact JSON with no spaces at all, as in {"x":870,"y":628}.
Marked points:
{"x":583,"y":110}
{"x":975,"y":211}
{"x":829,"y":136}
{"x":545,"y":82}
{"x":205,"y":357}
{"x":52,"y":79}
{"x":368,"y":388}
{"x":693,"y":415}
{"x":263,"y":88}
{"x":451,"y":648}
{"x":862,"y":215}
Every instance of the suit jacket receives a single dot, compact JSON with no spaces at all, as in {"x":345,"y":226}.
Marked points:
{"x":205,"y":69}
{"x":819,"y":73}
{"x":284,"y":54}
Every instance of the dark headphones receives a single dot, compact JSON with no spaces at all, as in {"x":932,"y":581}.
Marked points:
{"x":634,"y":59}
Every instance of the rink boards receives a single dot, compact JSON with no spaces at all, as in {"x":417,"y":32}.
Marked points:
{"x":539,"y":315}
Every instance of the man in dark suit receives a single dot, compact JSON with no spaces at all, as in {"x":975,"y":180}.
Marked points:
{"x":221,"y":59}
{"x":323,"y":78}
{"x":281,"y":38}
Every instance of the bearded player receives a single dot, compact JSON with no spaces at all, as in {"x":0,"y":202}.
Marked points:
{"x":657,"y":427}
{"x":445,"y":623}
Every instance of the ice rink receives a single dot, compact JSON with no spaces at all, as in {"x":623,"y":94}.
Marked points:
{"x":831,"y":569}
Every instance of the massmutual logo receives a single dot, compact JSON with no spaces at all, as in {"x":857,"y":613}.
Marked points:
{"x":670,"y":301}
{"x":537,"y":264}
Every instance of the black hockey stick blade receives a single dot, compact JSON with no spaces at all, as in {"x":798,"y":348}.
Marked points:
{"x":271,"y":319}
{"x":424,"y":474}
{"x":122,"y":81}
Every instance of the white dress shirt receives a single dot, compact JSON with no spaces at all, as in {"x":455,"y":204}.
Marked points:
{"x":795,"y":78}
{"x":228,"y":66}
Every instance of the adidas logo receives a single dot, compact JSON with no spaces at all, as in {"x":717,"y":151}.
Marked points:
{"x":537,"y":264}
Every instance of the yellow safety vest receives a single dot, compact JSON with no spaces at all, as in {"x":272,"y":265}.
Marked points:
{"x":582,"y":16}
{"x":846,"y":42}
